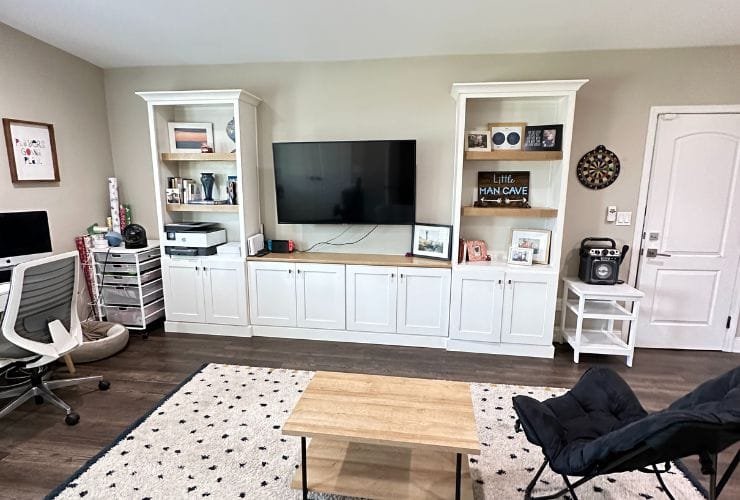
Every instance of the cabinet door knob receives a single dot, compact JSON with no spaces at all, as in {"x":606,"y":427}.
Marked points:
{"x":205,"y":268}
{"x":393,"y":275}
{"x":401,"y":275}
{"x":510,"y":282}
{"x":197,"y":268}
{"x":500,"y":282}
{"x":298,"y":271}
{"x":290,"y":271}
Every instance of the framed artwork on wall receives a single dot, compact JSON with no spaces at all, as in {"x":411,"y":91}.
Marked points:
{"x":32,"y":151}
{"x":432,"y":240}
{"x":190,"y":137}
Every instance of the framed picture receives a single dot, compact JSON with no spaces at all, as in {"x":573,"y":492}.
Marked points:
{"x":32,"y":151}
{"x":478,"y":140}
{"x":543,"y":138}
{"x":476,"y":250}
{"x":520,"y":256}
{"x":536,"y":239}
{"x":507,"y":135}
{"x":432,"y":240}
{"x":189,"y":137}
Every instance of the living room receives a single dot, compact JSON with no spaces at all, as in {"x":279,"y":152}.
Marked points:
{"x":362,"y":295}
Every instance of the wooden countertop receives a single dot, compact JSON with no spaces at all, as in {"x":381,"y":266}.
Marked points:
{"x":366,"y":259}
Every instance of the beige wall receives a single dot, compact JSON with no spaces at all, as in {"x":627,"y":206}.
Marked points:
{"x":42,"y":83}
{"x":409,"y":98}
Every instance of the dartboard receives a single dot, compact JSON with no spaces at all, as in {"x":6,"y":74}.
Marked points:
{"x":598,"y":168}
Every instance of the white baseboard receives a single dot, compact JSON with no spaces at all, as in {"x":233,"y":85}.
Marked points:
{"x":531,"y":351}
{"x":207,"y":329}
{"x":349,"y":336}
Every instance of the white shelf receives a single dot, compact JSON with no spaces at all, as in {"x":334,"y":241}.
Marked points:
{"x":597,"y":342}
{"x":593,"y":309}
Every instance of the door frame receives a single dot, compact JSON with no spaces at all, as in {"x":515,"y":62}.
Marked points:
{"x":647,"y":166}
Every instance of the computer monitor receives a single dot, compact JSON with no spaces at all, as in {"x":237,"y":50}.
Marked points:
{"x":24,"y":236}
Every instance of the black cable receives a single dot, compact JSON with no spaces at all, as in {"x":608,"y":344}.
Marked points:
{"x":327,"y":241}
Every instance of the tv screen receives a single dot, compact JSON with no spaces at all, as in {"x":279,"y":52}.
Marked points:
{"x":24,"y":233}
{"x":348,"y":182}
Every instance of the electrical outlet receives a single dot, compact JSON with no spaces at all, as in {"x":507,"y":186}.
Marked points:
{"x":611,"y":213}
{"x":624,"y":218}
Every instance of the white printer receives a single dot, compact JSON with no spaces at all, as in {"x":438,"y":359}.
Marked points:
{"x":193,"y":238}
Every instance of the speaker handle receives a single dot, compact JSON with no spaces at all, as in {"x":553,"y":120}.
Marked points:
{"x":614,"y":243}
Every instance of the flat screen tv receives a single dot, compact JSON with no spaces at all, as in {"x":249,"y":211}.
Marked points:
{"x":346,"y":182}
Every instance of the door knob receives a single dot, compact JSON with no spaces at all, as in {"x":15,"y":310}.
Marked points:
{"x":653,"y":252}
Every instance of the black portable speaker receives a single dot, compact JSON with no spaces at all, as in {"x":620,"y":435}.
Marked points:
{"x":599,"y":262}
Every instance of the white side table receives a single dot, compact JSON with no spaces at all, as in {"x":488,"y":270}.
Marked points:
{"x":601,"y":302}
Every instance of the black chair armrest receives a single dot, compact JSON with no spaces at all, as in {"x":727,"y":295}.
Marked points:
{"x":540,"y":424}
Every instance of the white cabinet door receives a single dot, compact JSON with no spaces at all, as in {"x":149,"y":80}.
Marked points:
{"x":225,"y":296}
{"x":320,"y":295}
{"x":371,"y":298}
{"x":476,"y":305}
{"x":423,"y":301}
{"x":529,"y":309}
{"x":272,"y":293}
{"x":183,"y":290}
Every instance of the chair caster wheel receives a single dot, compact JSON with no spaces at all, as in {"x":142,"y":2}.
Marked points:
{"x":39,"y":400}
{"x":103,"y":385}
{"x":72,"y":419}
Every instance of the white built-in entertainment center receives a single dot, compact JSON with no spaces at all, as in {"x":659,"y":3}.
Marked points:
{"x":491,"y":306}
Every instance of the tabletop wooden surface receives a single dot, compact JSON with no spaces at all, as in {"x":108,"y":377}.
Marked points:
{"x":372,"y":409}
{"x":363,"y":259}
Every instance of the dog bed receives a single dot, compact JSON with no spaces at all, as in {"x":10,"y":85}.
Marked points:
{"x":101,"y":339}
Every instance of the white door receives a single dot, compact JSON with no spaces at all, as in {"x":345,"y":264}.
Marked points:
{"x":183,"y":291}
{"x":272,"y":293}
{"x":692,"y":226}
{"x":529,"y":309}
{"x":320,"y":295}
{"x":225,"y":286}
{"x":423,"y":301}
{"x":477,"y":302}
{"x":371,"y":298}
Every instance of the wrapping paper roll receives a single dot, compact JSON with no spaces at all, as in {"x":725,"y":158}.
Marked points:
{"x":83,"y":244}
{"x":114,"y":205}
{"x":122,"y":217}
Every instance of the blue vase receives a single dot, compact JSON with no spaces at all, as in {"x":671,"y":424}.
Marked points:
{"x":207,"y":180}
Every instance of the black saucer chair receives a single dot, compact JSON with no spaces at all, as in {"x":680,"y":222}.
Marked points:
{"x":599,"y":427}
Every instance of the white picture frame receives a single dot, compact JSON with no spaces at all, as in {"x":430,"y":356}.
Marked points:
{"x":478,"y":140}
{"x":507,"y":135}
{"x":433,"y":241}
{"x":188,"y":137}
{"x":520,"y":256}
{"x":536,"y":239}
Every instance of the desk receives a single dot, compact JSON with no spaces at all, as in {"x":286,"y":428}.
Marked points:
{"x":600,"y":302}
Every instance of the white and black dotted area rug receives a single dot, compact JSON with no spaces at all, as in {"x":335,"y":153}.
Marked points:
{"x":219,"y":436}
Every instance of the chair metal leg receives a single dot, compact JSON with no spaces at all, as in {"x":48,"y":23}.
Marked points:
{"x":533,"y":482}
{"x":570,"y":487}
{"x":713,"y":477}
{"x":54,"y":399}
{"x":458,"y":473}
{"x":728,"y":473}
{"x":18,"y":401}
{"x":66,"y":382}
{"x":662,"y":484}
{"x":304,"y":466}
{"x":17,"y":391}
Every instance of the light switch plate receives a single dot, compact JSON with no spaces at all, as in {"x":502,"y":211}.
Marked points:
{"x":624,"y":218}
{"x":611,"y":213}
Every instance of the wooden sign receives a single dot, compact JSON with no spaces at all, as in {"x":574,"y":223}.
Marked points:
{"x":503,"y":189}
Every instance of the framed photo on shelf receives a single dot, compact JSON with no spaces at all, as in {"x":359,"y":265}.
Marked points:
{"x":189,"y":137}
{"x":507,"y":136}
{"x":520,"y":256}
{"x":433,"y":241}
{"x":478,"y":140}
{"x":536,"y":239}
{"x":543,"y":138}
{"x":32,"y":151}
{"x":476,"y":250}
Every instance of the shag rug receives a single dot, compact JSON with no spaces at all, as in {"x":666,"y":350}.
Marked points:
{"x":219,"y":435}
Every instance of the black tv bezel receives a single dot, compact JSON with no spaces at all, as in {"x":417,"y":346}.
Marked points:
{"x":340,"y":223}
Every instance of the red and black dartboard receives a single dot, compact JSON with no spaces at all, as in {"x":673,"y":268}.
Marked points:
{"x":598,"y":168}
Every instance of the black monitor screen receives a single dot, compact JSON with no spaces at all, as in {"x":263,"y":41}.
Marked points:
{"x":349,"y":182}
{"x":24,"y":233}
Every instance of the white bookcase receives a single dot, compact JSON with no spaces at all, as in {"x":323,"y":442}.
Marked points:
{"x":497,"y":307}
{"x":207,"y":294}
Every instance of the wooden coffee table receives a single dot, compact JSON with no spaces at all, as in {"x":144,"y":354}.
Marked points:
{"x":384,"y":437}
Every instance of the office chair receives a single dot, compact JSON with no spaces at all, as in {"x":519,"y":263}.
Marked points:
{"x":40,"y":325}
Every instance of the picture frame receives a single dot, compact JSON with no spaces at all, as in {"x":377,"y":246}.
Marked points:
{"x":32,"y":151}
{"x":478,"y":140}
{"x":476,"y":251}
{"x":433,"y":241}
{"x":507,"y":135}
{"x":188,"y":137}
{"x":536,"y":239}
{"x":543,"y":138}
{"x":520,"y":256}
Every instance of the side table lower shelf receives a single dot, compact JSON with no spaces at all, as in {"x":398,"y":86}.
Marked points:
{"x":382,"y":472}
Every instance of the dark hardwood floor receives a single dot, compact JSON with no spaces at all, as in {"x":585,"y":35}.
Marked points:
{"x":38,"y":451}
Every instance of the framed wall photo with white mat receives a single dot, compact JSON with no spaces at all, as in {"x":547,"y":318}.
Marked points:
{"x":478,"y":140}
{"x":507,"y":135}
